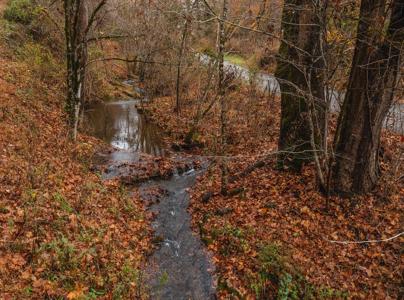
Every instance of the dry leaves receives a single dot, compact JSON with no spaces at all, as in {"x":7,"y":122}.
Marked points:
{"x":63,"y":232}
{"x":279,"y":208}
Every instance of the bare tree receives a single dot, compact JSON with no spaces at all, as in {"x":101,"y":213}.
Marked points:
{"x":185,"y":32}
{"x":261,"y":13}
{"x":76,"y":20}
{"x":78,"y":23}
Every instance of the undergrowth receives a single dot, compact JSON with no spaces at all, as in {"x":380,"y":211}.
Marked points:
{"x":21,"y":11}
{"x":277,"y":276}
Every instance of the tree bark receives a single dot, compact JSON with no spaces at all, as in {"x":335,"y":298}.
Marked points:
{"x":77,"y":25}
{"x":187,"y":16}
{"x":221,"y":41}
{"x":70,"y":10}
{"x":369,"y":96}
{"x":299,"y":71}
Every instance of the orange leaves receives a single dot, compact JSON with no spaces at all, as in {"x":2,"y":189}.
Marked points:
{"x":40,"y":284}
{"x":306,"y":224}
{"x":286,"y":208}
{"x":77,"y":293}
{"x":59,"y":222}
{"x":17,"y":261}
{"x":305,"y":210}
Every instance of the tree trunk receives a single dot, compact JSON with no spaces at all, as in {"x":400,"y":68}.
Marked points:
{"x":299,"y":71}
{"x":221,"y":41}
{"x":369,"y":96}
{"x":71,"y":79}
{"x":180,"y":56}
{"x":76,"y":22}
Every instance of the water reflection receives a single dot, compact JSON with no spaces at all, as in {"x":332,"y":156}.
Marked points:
{"x":121,"y":125}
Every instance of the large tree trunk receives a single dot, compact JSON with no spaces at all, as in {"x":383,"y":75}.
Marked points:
{"x":369,"y":96}
{"x":299,"y":72}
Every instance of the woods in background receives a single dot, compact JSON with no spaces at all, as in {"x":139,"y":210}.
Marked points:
{"x":305,"y":70}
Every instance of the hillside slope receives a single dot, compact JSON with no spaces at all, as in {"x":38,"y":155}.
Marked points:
{"x":64,"y":232}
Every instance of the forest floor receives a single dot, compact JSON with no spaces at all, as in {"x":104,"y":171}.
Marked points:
{"x":272,"y":236}
{"x":64,"y":233}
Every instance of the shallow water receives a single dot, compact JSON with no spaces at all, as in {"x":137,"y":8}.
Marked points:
{"x":122,"y":126}
{"x":181,"y":267}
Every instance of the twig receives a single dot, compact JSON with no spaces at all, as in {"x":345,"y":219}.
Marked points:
{"x":107,"y":37}
{"x":366,"y":242}
{"x":129,"y":60}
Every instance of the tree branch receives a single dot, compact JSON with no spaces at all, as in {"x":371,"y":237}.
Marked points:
{"x":130,"y":61}
{"x":108,"y":37}
{"x":93,"y":15}
{"x":367,"y":242}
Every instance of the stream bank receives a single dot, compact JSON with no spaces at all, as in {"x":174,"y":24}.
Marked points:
{"x":180,"y":267}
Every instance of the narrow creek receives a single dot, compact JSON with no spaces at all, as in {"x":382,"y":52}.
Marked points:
{"x":180,"y":268}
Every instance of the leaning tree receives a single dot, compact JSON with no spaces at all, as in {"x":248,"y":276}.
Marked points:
{"x":369,"y":96}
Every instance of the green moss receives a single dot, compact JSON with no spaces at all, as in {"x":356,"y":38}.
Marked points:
{"x":279,"y":279}
{"x":236,"y":60}
{"x":209,"y":52}
{"x":20,"y":11}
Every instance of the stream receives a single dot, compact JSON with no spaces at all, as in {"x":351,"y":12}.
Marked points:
{"x":180,"y":268}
